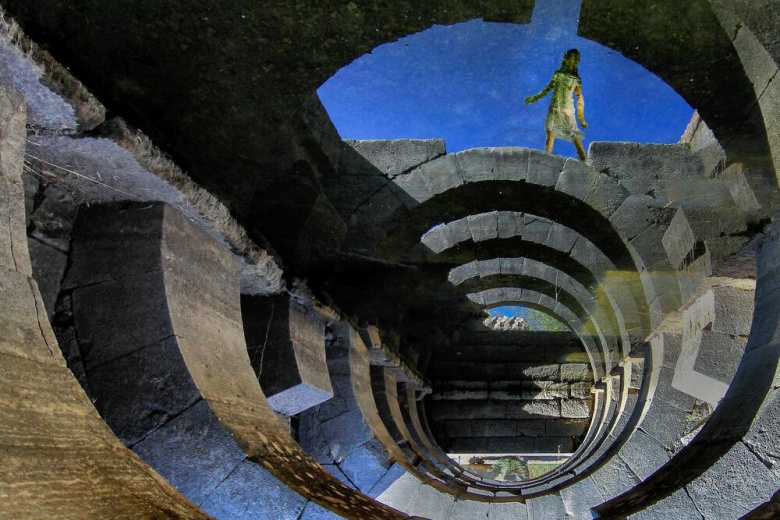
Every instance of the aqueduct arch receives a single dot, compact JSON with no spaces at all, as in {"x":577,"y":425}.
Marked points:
{"x":720,"y":58}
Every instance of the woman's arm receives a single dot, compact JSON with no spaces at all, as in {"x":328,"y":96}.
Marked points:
{"x":540,"y":95}
{"x":580,"y":105}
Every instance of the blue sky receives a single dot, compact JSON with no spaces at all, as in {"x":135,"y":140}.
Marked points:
{"x":466,"y":83}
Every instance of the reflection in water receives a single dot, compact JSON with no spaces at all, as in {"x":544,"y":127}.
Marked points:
{"x":465,"y":83}
{"x":560,"y":122}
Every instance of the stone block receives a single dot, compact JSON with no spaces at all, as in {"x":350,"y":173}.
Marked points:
{"x":510,"y":224}
{"x":311,"y":439}
{"x":565,"y":427}
{"x":24,"y":328}
{"x":414,"y":189}
{"x":140,"y":301}
{"x":364,"y":466}
{"x":533,"y":409}
{"x":544,"y":170}
{"x":48,"y":267}
{"x":477,"y":164}
{"x":665,"y":423}
{"x":395,"y":473}
{"x":52,"y":221}
{"x":396,"y":156}
{"x":576,"y":179}
{"x":314,"y":511}
{"x":489,"y":267}
{"x":431,"y":504}
{"x":735,"y":485}
{"x":580,"y":390}
{"x":484,"y":226}
{"x":463,"y":272}
{"x":250,"y":491}
{"x":345,"y":433}
{"x":719,"y":355}
{"x":13,"y":235}
{"x":643,"y":454}
{"x":579,"y":498}
{"x":575,"y":408}
{"x":436,"y":239}
{"x":678,"y":506}
{"x":546,"y":507}
{"x":494,"y":428}
{"x":511,"y":163}
{"x":553,"y":445}
{"x":561,"y":238}
{"x":574,"y":372}
{"x":733,"y":310}
{"x":536,"y":229}
{"x":678,"y":239}
{"x":458,"y":231}
{"x":468,"y":510}
{"x":508,"y":511}
{"x":105,"y":233}
{"x":606,"y":195}
{"x":441,"y":174}
{"x":614,"y":478}
{"x":140,"y":391}
{"x":286,"y":346}
{"x":13,"y":117}
{"x":205,"y":454}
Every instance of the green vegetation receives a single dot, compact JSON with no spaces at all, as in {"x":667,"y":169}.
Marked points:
{"x":540,"y":321}
{"x":510,"y":468}
{"x":539,"y":469}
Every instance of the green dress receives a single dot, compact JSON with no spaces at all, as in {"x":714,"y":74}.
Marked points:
{"x":561,"y":120}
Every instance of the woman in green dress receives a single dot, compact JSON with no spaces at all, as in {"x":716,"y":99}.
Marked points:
{"x":560,"y":117}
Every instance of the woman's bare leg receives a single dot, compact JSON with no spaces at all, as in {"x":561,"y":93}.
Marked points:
{"x":550,"y":140}
{"x":580,"y":149}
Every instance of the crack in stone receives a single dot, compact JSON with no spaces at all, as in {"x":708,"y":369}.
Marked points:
{"x":11,"y":241}
{"x":38,"y":317}
{"x":695,"y":505}
{"x":265,"y":343}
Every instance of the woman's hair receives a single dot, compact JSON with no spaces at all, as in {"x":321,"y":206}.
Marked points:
{"x":570,"y":60}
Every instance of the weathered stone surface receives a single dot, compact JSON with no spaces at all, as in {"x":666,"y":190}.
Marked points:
{"x":614,"y":478}
{"x":533,"y":409}
{"x":643,"y":454}
{"x":468,"y":510}
{"x":48,"y":266}
{"x":575,"y":409}
{"x":726,"y":491}
{"x":206,"y":454}
{"x":484,"y":226}
{"x":140,"y":300}
{"x":547,"y":507}
{"x":719,"y":355}
{"x":286,"y":347}
{"x":25,"y":329}
{"x":678,"y":505}
{"x":579,"y":498}
{"x":142,"y":390}
{"x":252,"y":492}
{"x":678,"y":239}
{"x":314,"y":511}
{"x":13,"y":115}
{"x":397,"y":156}
{"x":574,"y":372}
{"x":508,"y":511}
{"x":364,"y":466}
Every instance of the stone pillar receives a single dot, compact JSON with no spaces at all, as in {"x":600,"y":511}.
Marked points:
{"x":58,"y":458}
{"x":286,"y":347}
{"x":158,"y":314}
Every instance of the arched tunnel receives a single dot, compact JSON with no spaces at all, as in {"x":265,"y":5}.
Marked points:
{"x":216,"y":307}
